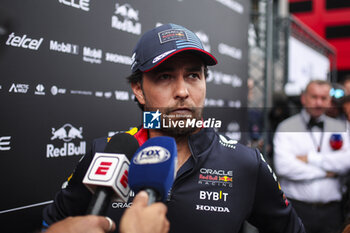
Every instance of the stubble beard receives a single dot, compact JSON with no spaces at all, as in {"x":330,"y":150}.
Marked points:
{"x":177,"y":132}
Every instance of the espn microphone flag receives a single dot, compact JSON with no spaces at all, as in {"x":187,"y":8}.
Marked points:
{"x":110,"y":169}
{"x":153,"y":166}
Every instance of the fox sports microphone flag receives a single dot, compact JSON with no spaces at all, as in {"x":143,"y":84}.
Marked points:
{"x":107,"y":175}
{"x":153,"y":167}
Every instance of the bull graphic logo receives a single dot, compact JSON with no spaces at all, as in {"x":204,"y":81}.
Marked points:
{"x":67,"y":133}
{"x":126,"y":11}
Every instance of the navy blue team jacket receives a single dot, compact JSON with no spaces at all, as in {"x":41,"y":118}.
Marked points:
{"x":220,"y":186}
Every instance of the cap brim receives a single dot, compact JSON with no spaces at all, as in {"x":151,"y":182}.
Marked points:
{"x":207,"y":58}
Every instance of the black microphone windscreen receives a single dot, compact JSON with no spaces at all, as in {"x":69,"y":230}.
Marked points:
{"x":122,"y":143}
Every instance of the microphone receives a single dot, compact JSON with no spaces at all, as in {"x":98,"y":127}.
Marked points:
{"x":153,"y":168}
{"x":107,"y":175}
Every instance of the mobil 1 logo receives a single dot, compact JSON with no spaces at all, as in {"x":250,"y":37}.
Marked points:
{"x":66,"y":140}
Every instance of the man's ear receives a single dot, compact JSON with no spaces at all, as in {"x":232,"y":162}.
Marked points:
{"x":138,"y":92}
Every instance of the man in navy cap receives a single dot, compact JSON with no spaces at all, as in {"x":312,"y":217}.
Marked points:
{"x":219,"y":183}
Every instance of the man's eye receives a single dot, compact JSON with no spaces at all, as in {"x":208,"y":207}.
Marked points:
{"x":193,"y":75}
{"x":163,"y":77}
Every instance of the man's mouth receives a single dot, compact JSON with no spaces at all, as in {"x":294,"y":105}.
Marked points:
{"x":179,"y":112}
{"x":182,"y":111}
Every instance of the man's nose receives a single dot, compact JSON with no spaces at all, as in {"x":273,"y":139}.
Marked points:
{"x":322,"y":103}
{"x":181,"y":88}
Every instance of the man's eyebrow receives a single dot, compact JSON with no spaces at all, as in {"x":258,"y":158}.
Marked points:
{"x":197,"y":68}
{"x":163,"y":69}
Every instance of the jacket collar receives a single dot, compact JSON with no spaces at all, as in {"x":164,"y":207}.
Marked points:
{"x":199,"y":142}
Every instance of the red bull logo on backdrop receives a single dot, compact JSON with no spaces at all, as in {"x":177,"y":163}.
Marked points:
{"x":66,"y":133}
{"x":126,"y":18}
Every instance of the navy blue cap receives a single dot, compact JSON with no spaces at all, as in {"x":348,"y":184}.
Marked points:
{"x":162,"y":42}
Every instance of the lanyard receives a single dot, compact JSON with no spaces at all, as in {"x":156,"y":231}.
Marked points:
{"x":318,"y":146}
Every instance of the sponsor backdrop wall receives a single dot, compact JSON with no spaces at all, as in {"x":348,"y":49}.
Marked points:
{"x":63,"y":65}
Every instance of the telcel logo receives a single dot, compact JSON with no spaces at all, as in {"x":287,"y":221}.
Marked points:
{"x":23,"y":42}
{"x":152,"y":155}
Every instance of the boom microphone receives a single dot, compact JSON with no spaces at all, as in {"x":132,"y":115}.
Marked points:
{"x":153,"y":168}
{"x":107,"y":175}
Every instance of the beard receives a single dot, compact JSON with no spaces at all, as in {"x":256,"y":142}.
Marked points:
{"x":168,"y":115}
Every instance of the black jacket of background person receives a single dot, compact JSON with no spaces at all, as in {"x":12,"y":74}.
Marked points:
{"x":220,"y":186}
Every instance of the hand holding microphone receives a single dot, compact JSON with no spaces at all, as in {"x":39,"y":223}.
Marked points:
{"x":142,"y":218}
{"x":83,"y":224}
{"x":138,"y":218}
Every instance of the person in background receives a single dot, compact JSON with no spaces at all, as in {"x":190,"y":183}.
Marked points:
{"x":311,"y":154}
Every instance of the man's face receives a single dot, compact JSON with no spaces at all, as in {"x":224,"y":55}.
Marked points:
{"x":177,"y":88}
{"x":316,"y":99}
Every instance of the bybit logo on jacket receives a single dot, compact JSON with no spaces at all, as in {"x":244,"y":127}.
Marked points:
{"x":66,"y":133}
{"x":213,"y":196}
